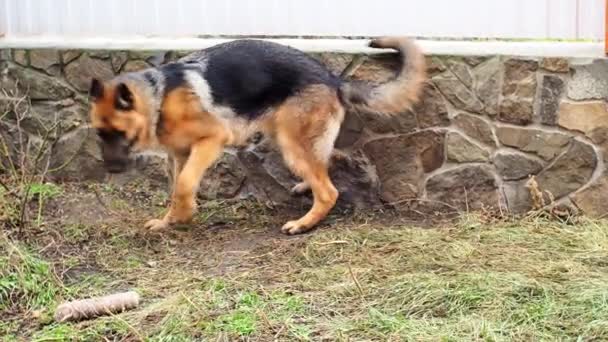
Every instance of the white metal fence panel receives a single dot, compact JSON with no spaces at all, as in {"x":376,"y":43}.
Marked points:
{"x":564,"y":19}
{"x":3,"y":18}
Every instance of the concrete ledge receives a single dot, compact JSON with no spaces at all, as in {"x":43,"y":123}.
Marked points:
{"x":431,"y":47}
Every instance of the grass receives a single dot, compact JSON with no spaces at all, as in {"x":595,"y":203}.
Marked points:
{"x":10,"y":207}
{"x":26,"y":282}
{"x":359,"y":279}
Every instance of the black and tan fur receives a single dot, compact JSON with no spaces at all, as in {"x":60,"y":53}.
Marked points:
{"x":221,"y":96}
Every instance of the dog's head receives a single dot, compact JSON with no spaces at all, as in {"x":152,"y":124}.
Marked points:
{"x":120,"y":118}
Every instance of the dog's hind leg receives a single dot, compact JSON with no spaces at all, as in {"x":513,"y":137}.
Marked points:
{"x":300,"y":189}
{"x":303,"y":187}
{"x":306,"y":129}
{"x":315,"y":173}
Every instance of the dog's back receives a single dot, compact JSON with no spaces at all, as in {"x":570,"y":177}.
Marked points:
{"x":252,"y":76}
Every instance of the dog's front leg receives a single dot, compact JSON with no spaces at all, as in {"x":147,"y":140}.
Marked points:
{"x":183,"y":200}
{"x":178,"y":160}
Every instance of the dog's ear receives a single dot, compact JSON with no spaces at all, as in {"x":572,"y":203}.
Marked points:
{"x":124,"y":97}
{"x":96,"y":89}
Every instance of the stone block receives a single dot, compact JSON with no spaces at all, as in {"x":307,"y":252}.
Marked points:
{"x":431,"y":110}
{"x":556,"y":64}
{"x":224,"y":180}
{"x":590,"y":81}
{"x":401,"y":162}
{"x":465,"y":187}
{"x":518,"y":91}
{"x":458,"y":94}
{"x":378,"y":68}
{"x":487,"y":85}
{"x":77,"y":157}
{"x":136,"y":65}
{"x":570,"y":171}
{"x":516,"y":166}
{"x":584,"y":117}
{"x":517,"y":196}
{"x":475,"y":128}
{"x":400,"y":123}
{"x":546,"y":145}
{"x":551,"y":93}
{"x":46,"y":60}
{"x":434,"y":65}
{"x":336,"y":63}
{"x":118,"y":60}
{"x":36,"y":85}
{"x":80,"y":72}
{"x":462,"y":150}
{"x":21,"y":57}
{"x":462,"y":71}
{"x":592,"y":200}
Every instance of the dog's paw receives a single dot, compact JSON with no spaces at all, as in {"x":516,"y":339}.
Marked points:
{"x":156,"y":224}
{"x":294,"y":227}
{"x":300,"y":189}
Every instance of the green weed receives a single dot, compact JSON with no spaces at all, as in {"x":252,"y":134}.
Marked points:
{"x":26,"y":281}
{"x":43,"y":192}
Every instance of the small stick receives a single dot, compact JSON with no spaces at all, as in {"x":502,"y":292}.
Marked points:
{"x":359,"y":288}
{"x":93,"y":307}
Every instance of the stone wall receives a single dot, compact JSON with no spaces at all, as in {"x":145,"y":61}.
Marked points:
{"x":484,"y":126}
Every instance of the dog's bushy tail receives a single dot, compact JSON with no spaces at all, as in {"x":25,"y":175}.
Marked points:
{"x":397,"y":95}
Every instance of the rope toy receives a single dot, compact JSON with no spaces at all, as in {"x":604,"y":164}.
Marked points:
{"x":98,"y":306}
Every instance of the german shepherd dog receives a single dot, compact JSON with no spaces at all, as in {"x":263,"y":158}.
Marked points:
{"x":221,"y":96}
